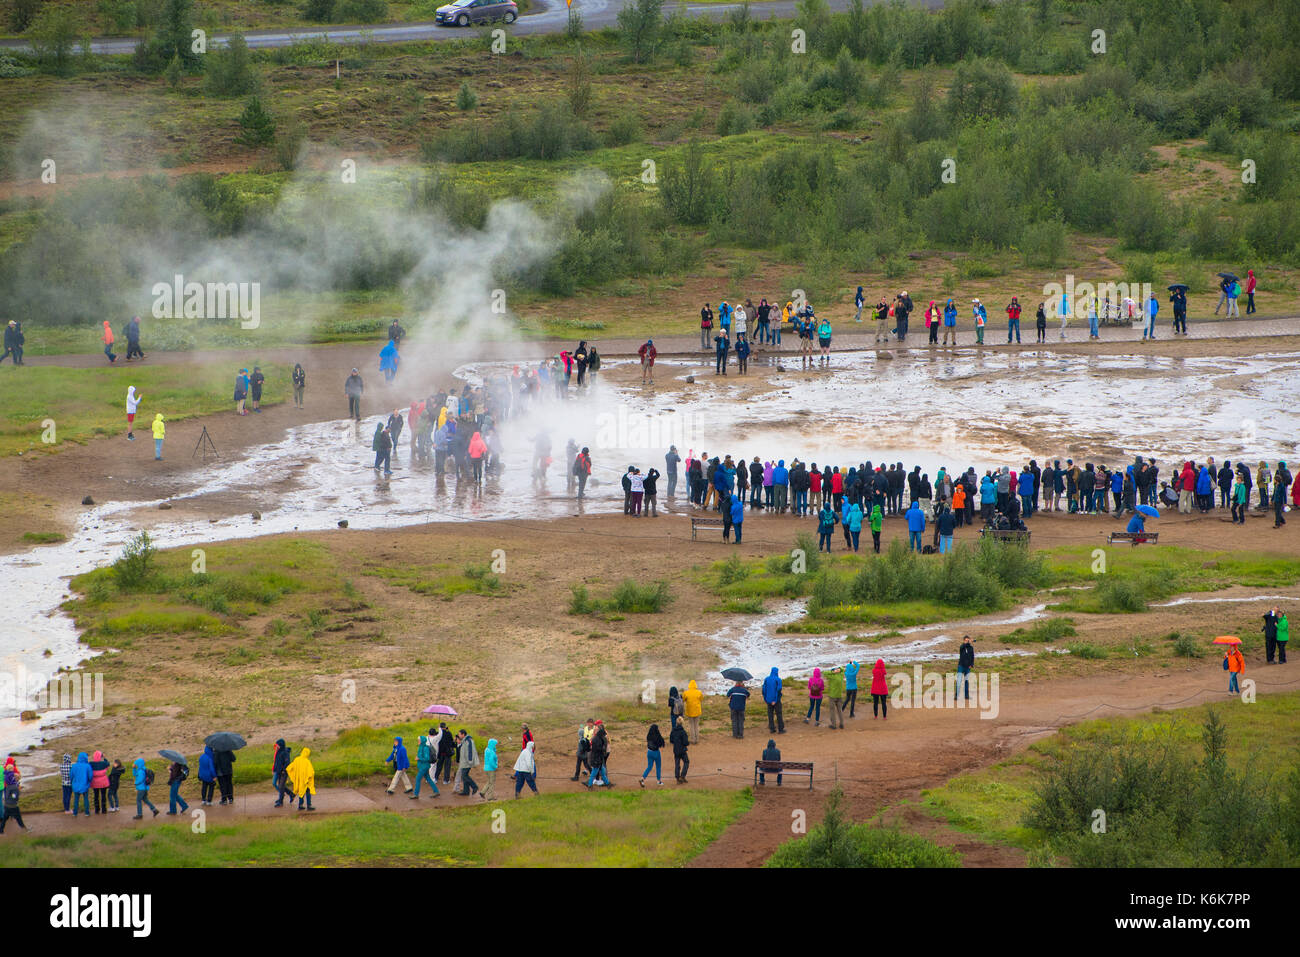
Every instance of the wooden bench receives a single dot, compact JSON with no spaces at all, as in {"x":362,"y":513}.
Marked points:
{"x":1134,"y":539}
{"x":1006,"y":535}
{"x":698,"y":523}
{"x":783,"y":767}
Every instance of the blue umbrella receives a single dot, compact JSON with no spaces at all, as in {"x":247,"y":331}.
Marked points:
{"x":1148,"y":510}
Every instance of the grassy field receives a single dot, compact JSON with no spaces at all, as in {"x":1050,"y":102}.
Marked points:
{"x":991,"y":803}
{"x":84,"y":404}
{"x":554,"y":830}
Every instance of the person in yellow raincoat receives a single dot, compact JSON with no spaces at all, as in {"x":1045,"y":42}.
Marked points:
{"x":302,"y":777}
{"x":159,"y":431}
{"x":693,"y":697}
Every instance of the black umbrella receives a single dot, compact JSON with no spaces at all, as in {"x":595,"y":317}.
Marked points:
{"x":1228,"y":276}
{"x":176,"y":756}
{"x":1178,"y":285}
{"x":737,"y":674}
{"x":224,"y":741}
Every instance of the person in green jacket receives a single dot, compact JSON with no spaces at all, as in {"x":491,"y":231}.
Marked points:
{"x":835,"y":692}
{"x":877,"y":522}
{"x":1283,"y":633}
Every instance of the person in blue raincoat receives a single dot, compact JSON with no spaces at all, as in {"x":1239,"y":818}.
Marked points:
{"x":772,"y":686}
{"x":388,"y":359}
{"x":207,"y":776}
{"x":737,"y":515}
{"x":400,"y":762}
{"x":851,"y":687}
{"x":1205,"y":489}
{"x":950,"y":322}
{"x":1137,"y":525}
{"x":915,"y":526}
{"x":81,"y":775}
{"x":141,"y":789}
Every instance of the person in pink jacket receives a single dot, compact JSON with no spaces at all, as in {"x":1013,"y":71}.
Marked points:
{"x":99,"y":781}
{"x":879,"y":691}
{"x":815,"y":688}
{"x":477,"y":449}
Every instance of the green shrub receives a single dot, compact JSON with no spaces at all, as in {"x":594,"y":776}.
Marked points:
{"x":1050,"y":629}
{"x":1084,"y":649}
{"x":734,"y":118}
{"x":135,"y":565}
{"x":257,"y":126}
{"x":466,"y":98}
{"x":1188,"y":646}
{"x":229,"y":70}
{"x":733,"y":570}
{"x":838,"y":843}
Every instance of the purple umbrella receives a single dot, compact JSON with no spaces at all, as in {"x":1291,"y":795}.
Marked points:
{"x":441,"y":709}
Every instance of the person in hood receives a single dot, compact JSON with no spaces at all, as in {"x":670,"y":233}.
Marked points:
{"x":279,"y":773}
{"x":736,"y":512}
{"x":772,"y":690}
{"x":141,"y":778}
{"x":159,"y":433}
{"x":388,"y":361}
{"x":816,"y":687}
{"x":426,"y":755}
{"x":241,"y":391}
{"x":654,"y":743}
{"x":770,"y":753}
{"x":915,"y":526}
{"x":12,"y":794}
{"x":445,"y":745}
{"x":107,"y":339}
{"x":114,"y":782}
{"x":466,"y":759}
{"x":693,"y":700}
{"x":99,"y":781}
{"x":490,"y":765}
{"x":879,"y":690}
{"x":176,"y":775}
{"x":681,"y":759}
{"x":398,"y":759}
{"x":81,"y":775}
{"x":525,"y":769}
{"x":207,"y":776}
{"x":780,"y":488}
{"x":647,"y":352}
{"x":851,"y":687}
{"x":477,"y":449}
{"x":302,"y":777}
{"x":132,"y":404}
{"x":835,"y":693}
{"x":65,"y":779}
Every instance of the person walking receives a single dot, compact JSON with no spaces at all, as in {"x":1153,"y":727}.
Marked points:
{"x":400,"y":762}
{"x":1149,"y":327}
{"x":879,"y":691}
{"x":816,"y":688}
{"x":159,"y":433}
{"x":426,"y":756}
{"x":490,"y":765}
{"x":445,"y":749}
{"x":279,"y":774}
{"x":302,"y":778}
{"x":1235,"y":665}
{"x":736,"y":699}
{"x":176,"y":775}
{"x":694,"y":704}
{"x":466,"y":759}
{"x":583,"y":762}
{"x":772,"y":691}
{"x":526,"y":769}
{"x":382,"y":445}
{"x":12,"y":796}
{"x":208,"y":776}
{"x":680,"y":741}
{"x":826,"y":523}
{"x":736,"y":511}
{"x":107,"y":339}
{"x":835,"y":692}
{"x":143,"y":780}
{"x":599,"y":757}
{"x":12,"y":349}
{"x":132,"y":404}
{"x":225,"y":767}
{"x":353,"y":387}
{"x":654,"y":742}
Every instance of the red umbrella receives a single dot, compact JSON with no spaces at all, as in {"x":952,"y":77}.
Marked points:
{"x":1227,"y":640}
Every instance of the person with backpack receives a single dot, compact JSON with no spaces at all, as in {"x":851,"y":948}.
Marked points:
{"x":12,"y":795}
{"x":736,"y":512}
{"x":143,"y":781}
{"x":445,"y":749}
{"x":466,"y":759}
{"x":400,"y":762}
{"x":826,"y":522}
{"x":772,"y":692}
{"x":583,"y":761}
{"x":647,"y":352}
{"x":680,"y":741}
{"x":654,"y":743}
{"x":816,"y":687}
{"x":1235,"y":665}
{"x":176,"y":775}
{"x":279,"y":772}
{"x":302,"y":777}
{"x":676,"y":707}
{"x":425,"y":757}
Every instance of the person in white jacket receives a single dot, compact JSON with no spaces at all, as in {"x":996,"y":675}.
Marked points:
{"x":132,"y":403}
{"x":526,"y":770}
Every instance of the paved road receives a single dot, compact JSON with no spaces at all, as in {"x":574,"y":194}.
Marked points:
{"x":547,"y":16}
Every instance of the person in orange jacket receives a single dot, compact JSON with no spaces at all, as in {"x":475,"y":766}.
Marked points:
{"x":879,"y":691}
{"x":959,"y":503}
{"x":108,"y":342}
{"x":1236,"y":666}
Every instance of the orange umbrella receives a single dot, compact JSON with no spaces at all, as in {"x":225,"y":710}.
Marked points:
{"x":1227,"y":640}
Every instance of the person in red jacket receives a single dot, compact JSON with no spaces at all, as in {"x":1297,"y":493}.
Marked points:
{"x":1186,"y":488}
{"x":815,"y":486}
{"x":837,"y":487}
{"x":879,"y":691}
{"x":1250,"y":291}
{"x":647,"y":353}
{"x":1013,"y":319}
{"x":99,"y":781}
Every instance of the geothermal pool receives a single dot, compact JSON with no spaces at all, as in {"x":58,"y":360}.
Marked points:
{"x":954,"y":408}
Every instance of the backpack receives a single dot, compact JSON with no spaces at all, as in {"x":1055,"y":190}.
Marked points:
{"x":1225,"y":664}
{"x":148,"y":772}
{"x":185,"y":772}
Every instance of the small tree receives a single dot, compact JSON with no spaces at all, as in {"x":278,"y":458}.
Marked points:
{"x":230,"y":70}
{"x":641,"y":28}
{"x":22,"y":13}
{"x":53,"y":34}
{"x":256,"y":124}
{"x":319,"y":11}
{"x":174,"y":72}
{"x":579,"y":85}
{"x":175,"y":32}
{"x":466,"y":98}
